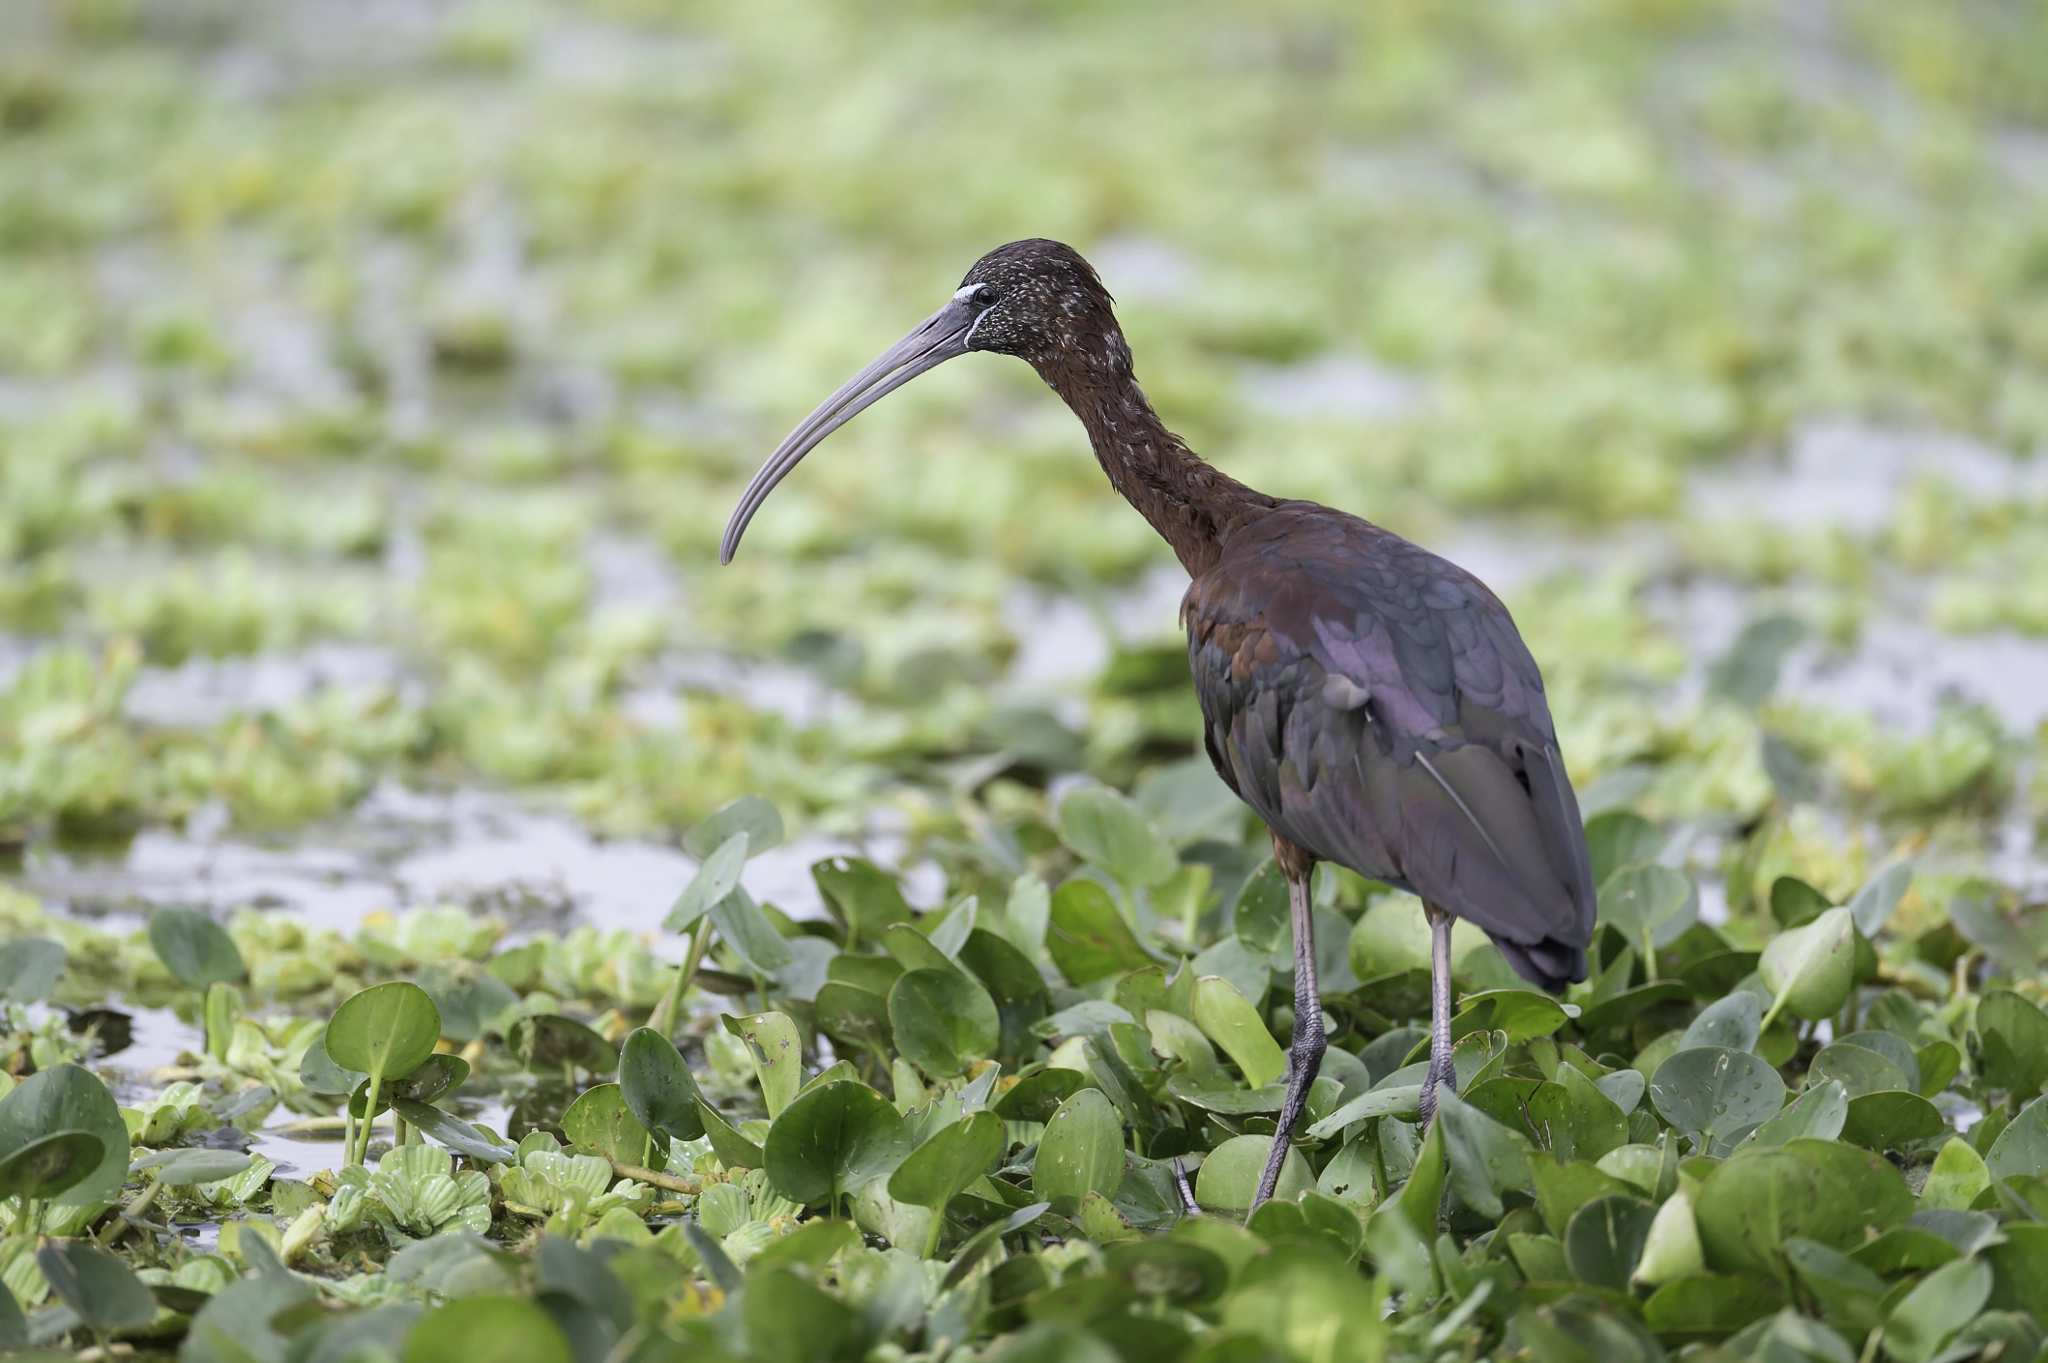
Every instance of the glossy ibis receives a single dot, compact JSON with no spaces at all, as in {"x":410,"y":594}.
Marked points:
{"x":1370,"y":701}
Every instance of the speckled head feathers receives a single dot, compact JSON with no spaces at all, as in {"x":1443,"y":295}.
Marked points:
{"x":1044,"y":304}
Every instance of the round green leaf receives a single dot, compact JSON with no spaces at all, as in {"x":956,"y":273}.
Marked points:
{"x":488,"y":1330}
{"x":51,"y":1164}
{"x":1391,"y":936}
{"x":1942,"y":1303}
{"x":1036,"y":1096}
{"x":955,"y":1156}
{"x":1604,"y":1240}
{"x":1811,"y":969}
{"x":1759,"y":1197}
{"x":2022,"y":1148}
{"x":388,"y":1030}
{"x":1183,"y":1273}
{"x":1227,"y":1018}
{"x":545,"y":1042}
{"x":68,"y":1098}
{"x":865,"y":898}
{"x":753,"y":815}
{"x":716,"y":878}
{"x":1858,"y":1069}
{"x":29,"y":969}
{"x":1082,"y":1151}
{"x":854,"y":1017}
{"x":1649,"y":902}
{"x":181,"y":1168}
{"x":600,"y":1121}
{"x":1713,"y":1092}
{"x":1229,"y":1177}
{"x":1618,"y":837}
{"x":1261,"y":918}
{"x":102,"y":1289}
{"x":456,"y":1134}
{"x":319,"y":1073}
{"x":195,"y":948}
{"x":1709,"y":1304}
{"x":1890,"y":1119}
{"x":942,"y":1019}
{"x":1088,"y":938}
{"x":1104,"y":827}
{"x":832,"y":1139}
{"x":658,"y":1086}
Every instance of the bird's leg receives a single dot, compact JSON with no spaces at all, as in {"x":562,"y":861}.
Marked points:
{"x":1306,"y":1055}
{"x":1440,"y":1069}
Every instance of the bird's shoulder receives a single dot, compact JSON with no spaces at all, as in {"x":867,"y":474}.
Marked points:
{"x":1304,"y":582}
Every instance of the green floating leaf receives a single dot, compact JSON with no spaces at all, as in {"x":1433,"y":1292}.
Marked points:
{"x":2022,"y":1148}
{"x":29,"y":969}
{"x":488,"y":1330}
{"x":1927,"y":1317}
{"x":1871,"y":907}
{"x":1811,"y":969}
{"x":1649,"y":903}
{"x":1748,"y":671}
{"x":950,"y":932}
{"x":1088,"y":938}
{"x":458,"y":1135}
{"x":778,"y":1050}
{"x":1709,"y":1305}
{"x":733,"y":1149}
{"x":745,"y":928}
{"x":1261,"y":918}
{"x":319,"y":1073}
{"x":1819,"y":1112}
{"x":185,"y":1167}
{"x":1758,"y":1198}
{"x":658,"y":1087}
{"x":943,"y":1020}
{"x":1794,"y":903}
{"x":2013,"y":1036}
{"x":1605,"y":1238}
{"x":1733,"y":1023}
{"x":1485,"y":1159}
{"x":1176,"y":1271}
{"x":1713,"y":1093}
{"x":853,"y":1017}
{"x":387,"y":1030}
{"x":949,"y":1163}
{"x":49,"y":1165}
{"x":1617,"y":838}
{"x":599,"y":1121}
{"x":66,"y":1098}
{"x":1858,"y":1069}
{"x":752,"y":815}
{"x":1957,"y":1177}
{"x":1227,"y":1018}
{"x":717,"y":877}
{"x":1027,"y":915}
{"x":98,"y":1286}
{"x":1036,"y":1096}
{"x":1102,"y":826}
{"x":1672,"y":1250}
{"x":865,"y":898}
{"x":1521,"y":1013}
{"x":1847,"y":1292}
{"x":1890,"y":1120}
{"x":194,"y":948}
{"x":545,"y":1042}
{"x":1229,"y":1177}
{"x":832,"y":1139}
{"x":1082,"y":1151}
{"x":236,"y":1325}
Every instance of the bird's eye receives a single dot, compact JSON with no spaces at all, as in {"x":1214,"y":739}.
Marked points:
{"x":984,"y":296}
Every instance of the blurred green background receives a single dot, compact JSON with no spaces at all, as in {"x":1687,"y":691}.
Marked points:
{"x":375,"y":380}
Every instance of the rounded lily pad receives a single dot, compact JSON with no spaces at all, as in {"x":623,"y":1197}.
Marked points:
{"x":195,"y":948}
{"x":387,"y":1030}
{"x":1713,"y":1092}
{"x":658,"y":1086}
{"x":942,"y":1020}
{"x":1229,"y":1178}
{"x":831,"y":1139}
{"x":1082,"y":1151}
{"x":1889,"y":1119}
{"x":1604,"y":1240}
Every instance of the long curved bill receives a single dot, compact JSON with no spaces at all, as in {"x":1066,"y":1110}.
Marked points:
{"x":940,"y":337}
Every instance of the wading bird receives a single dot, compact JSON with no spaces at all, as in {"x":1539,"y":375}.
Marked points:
{"x":1370,"y":701}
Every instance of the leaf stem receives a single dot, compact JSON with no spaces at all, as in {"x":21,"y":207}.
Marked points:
{"x":654,"y":1178}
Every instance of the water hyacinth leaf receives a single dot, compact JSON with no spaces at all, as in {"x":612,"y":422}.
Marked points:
{"x":1251,"y":972}
{"x":1027,"y":915}
{"x":1858,"y":1069}
{"x":1671,"y":1250}
{"x":1227,"y":1018}
{"x":1649,"y":903}
{"x":1520,"y":1013}
{"x":1956,"y":1178}
{"x":1892,"y":1047}
{"x":1102,"y":826}
{"x":1596,"y":1123}
{"x":1604,"y":1241}
{"x":194,"y":948}
{"x":949,"y":1162}
{"x":716,"y":878}
{"x":460,"y":1136}
{"x":790,"y":1319}
{"x":69,"y":1098}
{"x":98,"y":1286}
{"x":658,"y":1087}
{"x":1890,"y":1119}
{"x":753,"y":815}
{"x":1088,"y":938}
{"x":777,"y":1048}
{"x":1794,"y":903}
{"x":1036,"y":1096}
{"x":488,"y":1330}
{"x":1713,"y":1304}
{"x":831,"y":1140}
{"x":949,"y":932}
{"x":1261,"y":918}
{"x":1927,"y":1317}
{"x":1485,"y":1159}
{"x":1712,"y":1092}
{"x":1177,"y":1271}
{"x":2012,"y":1042}
{"x":545,"y":1042}
{"x":1618,"y":838}
{"x":743,"y":927}
{"x":29,"y":969}
{"x":1733,"y":1023}
{"x":49,"y":1165}
{"x":319,"y":1073}
{"x":1082,"y":1151}
{"x":1758,"y":1198}
{"x":854,"y":1017}
{"x":942,"y":1020}
{"x":2022,"y":1148}
{"x":733,"y":1149}
{"x":1229,"y":1177}
{"x":1820,"y":1113}
{"x":386,"y":1031}
{"x":185,"y":1167}
{"x":1846,"y":1291}
{"x":1811,"y":969}
{"x":236,"y":1324}
{"x":1872,"y":906}
{"x":599,"y":1122}
{"x":865,"y":898}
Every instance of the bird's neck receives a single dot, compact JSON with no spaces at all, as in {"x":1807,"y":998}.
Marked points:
{"x":1192,"y":504}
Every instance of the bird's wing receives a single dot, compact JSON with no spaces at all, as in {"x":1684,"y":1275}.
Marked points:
{"x":1375,"y":704}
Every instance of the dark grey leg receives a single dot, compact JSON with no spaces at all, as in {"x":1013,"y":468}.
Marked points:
{"x":1440,"y":1069}
{"x":1309,"y":1044}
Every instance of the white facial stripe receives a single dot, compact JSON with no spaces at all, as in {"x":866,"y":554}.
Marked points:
{"x":963,"y":291}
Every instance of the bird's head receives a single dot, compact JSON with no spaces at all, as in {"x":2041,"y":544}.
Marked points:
{"x":1035,"y":299}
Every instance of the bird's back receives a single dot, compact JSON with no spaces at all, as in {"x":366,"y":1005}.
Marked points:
{"x":1375,"y":705}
